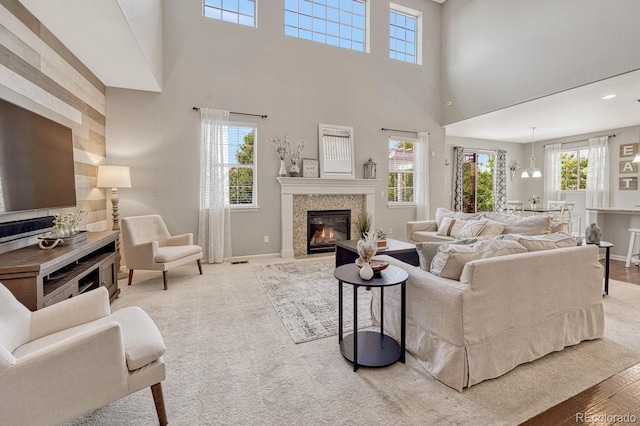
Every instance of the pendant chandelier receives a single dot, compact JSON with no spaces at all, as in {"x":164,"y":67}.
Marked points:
{"x":532,"y":171}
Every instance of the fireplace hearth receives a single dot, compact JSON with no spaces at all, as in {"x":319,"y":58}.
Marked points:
{"x":325,"y":227}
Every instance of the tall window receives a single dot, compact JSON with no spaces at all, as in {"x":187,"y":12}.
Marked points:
{"x":237,"y":11}
{"x":242,"y":165}
{"x":404,"y":32}
{"x":401,"y":171}
{"x":477,"y":182}
{"x":574,"y":164}
{"x":336,"y":22}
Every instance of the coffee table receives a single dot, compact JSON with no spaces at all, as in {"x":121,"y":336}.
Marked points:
{"x":347,"y":251}
{"x":372,"y":348}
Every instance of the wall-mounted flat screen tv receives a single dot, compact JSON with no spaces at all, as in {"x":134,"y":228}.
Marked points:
{"x":36,"y":161}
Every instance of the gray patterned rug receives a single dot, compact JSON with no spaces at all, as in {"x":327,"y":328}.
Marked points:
{"x":304,"y":293}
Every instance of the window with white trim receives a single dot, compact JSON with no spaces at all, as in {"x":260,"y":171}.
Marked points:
{"x":573,"y":169}
{"x":405,"y":33}
{"x":242,"y":165}
{"x":340,"y":23}
{"x":400,"y":188}
{"x":240,"y":173}
{"x":241,"y":12}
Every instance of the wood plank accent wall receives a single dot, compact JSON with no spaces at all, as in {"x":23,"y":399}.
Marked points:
{"x":39,"y":73}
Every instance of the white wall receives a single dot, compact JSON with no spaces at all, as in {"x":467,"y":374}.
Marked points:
{"x":499,"y":53}
{"x":297,"y":83}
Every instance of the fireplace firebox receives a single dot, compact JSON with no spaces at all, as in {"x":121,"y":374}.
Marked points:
{"x":325,"y":227}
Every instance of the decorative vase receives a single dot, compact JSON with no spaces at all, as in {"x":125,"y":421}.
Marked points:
{"x":283,"y":169}
{"x":533,"y":206}
{"x":294,"y":170}
{"x":366,"y":272}
{"x":592,"y":234}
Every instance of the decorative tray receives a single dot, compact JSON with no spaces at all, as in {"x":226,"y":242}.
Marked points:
{"x":48,"y":239}
{"x":376,"y":265}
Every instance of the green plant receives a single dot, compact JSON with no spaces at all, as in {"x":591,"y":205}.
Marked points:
{"x":363,"y":224}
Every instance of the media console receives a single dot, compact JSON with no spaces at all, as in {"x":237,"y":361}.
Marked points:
{"x":40,"y":278}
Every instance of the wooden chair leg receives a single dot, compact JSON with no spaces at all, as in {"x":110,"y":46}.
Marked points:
{"x":158,"y":399}
{"x":164,"y":278}
{"x":200,"y":266}
{"x":130,"y":276}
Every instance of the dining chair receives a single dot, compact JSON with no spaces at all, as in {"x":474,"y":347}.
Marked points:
{"x":515,"y":207}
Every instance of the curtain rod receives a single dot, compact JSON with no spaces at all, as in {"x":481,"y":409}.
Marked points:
{"x":384,"y":129}
{"x":238,"y":113}
{"x":580,"y":140}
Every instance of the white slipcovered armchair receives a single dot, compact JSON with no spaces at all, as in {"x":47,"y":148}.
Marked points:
{"x":73,"y":357}
{"x":148,"y":245}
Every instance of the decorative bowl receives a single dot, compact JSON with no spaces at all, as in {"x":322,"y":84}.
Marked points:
{"x":376,"y":265}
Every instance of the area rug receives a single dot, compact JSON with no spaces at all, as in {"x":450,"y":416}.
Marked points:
{"x":304,"y":293}
{"x":231,"y":362}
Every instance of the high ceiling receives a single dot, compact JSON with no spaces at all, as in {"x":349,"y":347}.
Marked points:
{"x":121,"y":42}
{"x":572,"y":112}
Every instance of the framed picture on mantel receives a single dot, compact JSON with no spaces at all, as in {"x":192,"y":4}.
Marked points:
{"x":310,"y":167}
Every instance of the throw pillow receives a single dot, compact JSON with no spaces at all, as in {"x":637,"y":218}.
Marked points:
{"x":543,"y":242}
{"x":472,"y":228}
{"x":530,"y":225}
{"x":450,"y":227}
{"x":491,"y":230}
{"x":427,"y":250}
{"x":451,"y":258}
{"x":441,"y":213}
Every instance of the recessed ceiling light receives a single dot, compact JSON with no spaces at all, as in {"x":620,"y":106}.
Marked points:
{"x":608,"y":97}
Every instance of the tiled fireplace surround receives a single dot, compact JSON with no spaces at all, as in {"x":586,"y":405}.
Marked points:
{"x":298,"y":195}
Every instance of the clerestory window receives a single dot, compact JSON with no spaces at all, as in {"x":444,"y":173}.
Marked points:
{"x":241,"y":12}
{"x":341,"y":23}
{"x":405,"y":33}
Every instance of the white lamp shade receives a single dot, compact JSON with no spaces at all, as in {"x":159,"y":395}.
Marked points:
{"x":525,"y":174}
{"x":536,"y":173}
{"x":114,"y":177}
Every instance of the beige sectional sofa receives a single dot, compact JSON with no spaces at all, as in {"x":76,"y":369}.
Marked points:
{"x":448,"y":226}
{"x":501,"y":312}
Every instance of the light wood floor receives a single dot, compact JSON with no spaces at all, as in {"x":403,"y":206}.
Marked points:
{"x":616,"y":396}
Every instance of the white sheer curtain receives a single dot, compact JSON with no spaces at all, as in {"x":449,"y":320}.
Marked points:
{"x":421,"y":175}
{"x":214,"y":225}
{"x":598,"y":172}
{"x":552,"y":173}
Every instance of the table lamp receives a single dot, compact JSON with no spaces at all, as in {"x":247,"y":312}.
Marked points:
{"x":114,"y":177}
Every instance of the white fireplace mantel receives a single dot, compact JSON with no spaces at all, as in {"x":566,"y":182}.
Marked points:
{"x":291,"y":186}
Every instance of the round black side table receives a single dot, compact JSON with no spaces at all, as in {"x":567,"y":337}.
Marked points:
{"x":371,"y":348}
{"x":606,"y":245}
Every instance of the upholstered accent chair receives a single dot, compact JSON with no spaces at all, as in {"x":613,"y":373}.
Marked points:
{"x":74,"y":357}
{"x":148,"y":245}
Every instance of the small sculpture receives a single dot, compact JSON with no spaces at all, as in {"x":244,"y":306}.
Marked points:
{"x":592,"y":234}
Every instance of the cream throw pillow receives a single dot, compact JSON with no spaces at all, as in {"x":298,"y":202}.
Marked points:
{"x":450,"y":227}
{"x":543,"y":242}
{"x":472,"y":228}
{"x":492,"y":229}
{"x":441,"y":213}
{"x":428,"y":250}
{"x":451,"y":258}
{"x":530,"y":225}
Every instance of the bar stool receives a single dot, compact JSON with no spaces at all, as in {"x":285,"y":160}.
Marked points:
{"x":630,"y":254}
